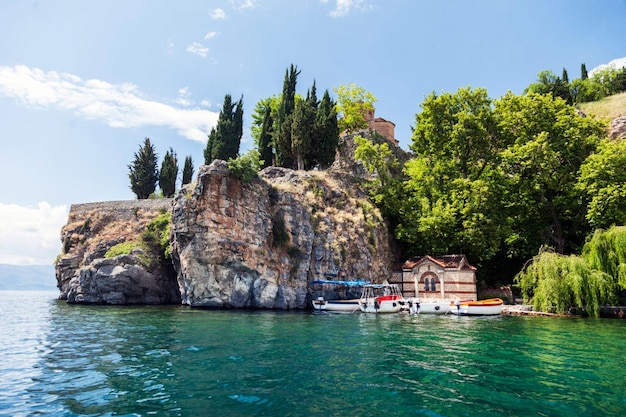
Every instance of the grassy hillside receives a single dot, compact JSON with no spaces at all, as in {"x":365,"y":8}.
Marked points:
{"x":608,"y":108}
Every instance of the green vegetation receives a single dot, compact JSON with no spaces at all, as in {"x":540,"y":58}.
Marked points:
{"x":603,"y":83}
{"x":557,"y":283}
{"x":295,"y":132}
{"x":168,"y":174}
{"x":246,"y":166}
{"x":187,"y":170}
{"x":124,"y":248}
{"x":154,"y":242}
{"x":156,"y":236}
{"x":143,"y":172}
{"x":225,"y":138}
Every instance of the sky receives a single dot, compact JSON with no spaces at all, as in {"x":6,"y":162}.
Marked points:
{"x":82,"y":83}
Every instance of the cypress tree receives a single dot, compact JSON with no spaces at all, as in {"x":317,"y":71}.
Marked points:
{"x":187,"y":170}
{"x":225,"y":138}
{"x":143,"y":172}
{"x":169,"y":172}
{"x":266,"y":153}
{"x":282,"y":128}
{"x":327,"y":131}
{"x":301,"y":127}
{"x":583,"y":72}
{"x":565,"y":77}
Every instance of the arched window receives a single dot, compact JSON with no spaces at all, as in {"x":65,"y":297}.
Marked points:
{"x":430,"y":282}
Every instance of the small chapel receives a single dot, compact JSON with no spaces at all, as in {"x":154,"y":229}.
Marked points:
{"x":436,"y":277}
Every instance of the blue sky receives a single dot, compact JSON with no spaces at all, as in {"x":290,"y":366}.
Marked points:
{"x":82,"y":83}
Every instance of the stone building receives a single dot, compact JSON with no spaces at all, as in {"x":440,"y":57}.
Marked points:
{"x":382,"y":126}
{"x":437,"y":277}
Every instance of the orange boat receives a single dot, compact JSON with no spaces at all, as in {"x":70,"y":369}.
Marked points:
{"x":489,"y":307}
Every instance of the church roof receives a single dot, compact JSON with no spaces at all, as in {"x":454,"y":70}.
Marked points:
{"x":445,"y":261}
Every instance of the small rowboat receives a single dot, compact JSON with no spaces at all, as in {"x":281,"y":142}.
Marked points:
{"x":490,"y":307}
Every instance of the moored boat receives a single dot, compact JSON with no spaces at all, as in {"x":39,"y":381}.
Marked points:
{"x":381,"y":298}
{"x":433,"y":306}
{"x":341,"y":306}
{"x":489,"y":307}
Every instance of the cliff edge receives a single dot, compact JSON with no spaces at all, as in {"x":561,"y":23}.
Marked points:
{"x":233,"y":244}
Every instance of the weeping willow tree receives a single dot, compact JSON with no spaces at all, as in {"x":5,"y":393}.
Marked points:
{"x":557,"y":283}
{"x":606,"y":252}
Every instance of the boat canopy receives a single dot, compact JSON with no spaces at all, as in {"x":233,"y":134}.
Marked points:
{"x":348,"y":283}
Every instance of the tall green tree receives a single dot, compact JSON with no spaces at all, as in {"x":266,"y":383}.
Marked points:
{"x":549,"y":143}
{"x":283,"y":120}
{"x":565,"y":77}
{"x":583,"y":72}
{"x":353,"y":103}
{"x":326,"y":133}
{"x":265,"y":148}
{"x":453,"y":188}
{"x":302,"y":123}
{"x":602,"y":182}
{"x":144,"y":172}
{"x":225,"y":138}
{"x":187,"y":170}
{"x":168,"y":174}
{"x":550,"y":83}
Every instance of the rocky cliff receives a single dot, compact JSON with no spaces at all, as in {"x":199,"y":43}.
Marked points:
{"x":83,"y":273}
{"x":260,"y":244}
{"x":233,"y":244}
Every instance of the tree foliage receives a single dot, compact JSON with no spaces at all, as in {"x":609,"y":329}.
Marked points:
{"x":283,"y":120}
{"x":602,"y":182}
{"x":353,"y":104}
{"x":246,"y":166}
{"x":168,"y":174}
{"x":301,"y":136}
{"x":187,"y":170}
{"x":225,"y":138}
{"x":549,"y":142}
{"x":453,"y":185}
{"x":143,"y":172}
{"x":557,"y":283}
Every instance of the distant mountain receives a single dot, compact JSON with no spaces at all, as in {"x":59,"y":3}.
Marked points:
{"x":27,"y":277}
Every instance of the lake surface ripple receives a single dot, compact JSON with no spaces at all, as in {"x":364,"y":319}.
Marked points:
{"x":63,"y":360}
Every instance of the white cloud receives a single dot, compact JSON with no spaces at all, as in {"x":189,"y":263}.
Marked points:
{"x":198,"y":49}
{"x":211,"y":35}
{"x":31,"y":236}
{"x":218,"y":14}
{"x":343,"y":7}
{"x":615,"y":64}
{"x":184,"y":97}
{"x":243,"y":4}
{"x":118,"y":105}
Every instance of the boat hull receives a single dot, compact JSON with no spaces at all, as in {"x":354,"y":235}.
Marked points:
{"x":385,"y":306}
{"x":434,"y":307}
{"x":338,"y":306}
{"x":489,"y":307}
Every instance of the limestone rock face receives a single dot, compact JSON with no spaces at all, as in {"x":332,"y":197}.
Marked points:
{"x":121,"y":280}
{"x":260,"y":244}
{"x":85,"y":276}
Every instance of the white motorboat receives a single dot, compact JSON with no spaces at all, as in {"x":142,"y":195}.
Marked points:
{"x":382,"y":298}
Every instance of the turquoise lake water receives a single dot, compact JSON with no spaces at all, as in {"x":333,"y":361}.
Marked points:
{"x":64,"y":360}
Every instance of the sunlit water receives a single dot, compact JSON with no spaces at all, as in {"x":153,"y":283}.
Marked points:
{"x":63,"y":360}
